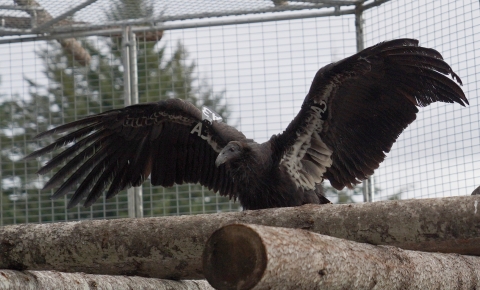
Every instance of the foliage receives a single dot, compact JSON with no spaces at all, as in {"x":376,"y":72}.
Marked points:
{"x":348,"y":195}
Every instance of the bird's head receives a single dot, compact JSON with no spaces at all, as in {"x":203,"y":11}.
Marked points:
{"x":232,"y":151}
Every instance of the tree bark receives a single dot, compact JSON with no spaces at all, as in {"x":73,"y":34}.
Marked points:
{"x":10,"y":279}
{"x":171,"y":247}
{"x":258,"y":257}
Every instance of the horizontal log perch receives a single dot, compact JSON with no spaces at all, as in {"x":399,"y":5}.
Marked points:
{"x":244,"y":257}
{"x":10,"y":279}
{"x":171,"y":247}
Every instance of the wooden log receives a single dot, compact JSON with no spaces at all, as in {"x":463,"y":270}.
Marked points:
{"x":10,"y":279}
{"x":171,"y":247}
{"x":244,"y":256}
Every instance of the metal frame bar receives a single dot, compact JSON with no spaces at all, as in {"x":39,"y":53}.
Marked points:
{"x":22,"y":8}
{"x":188,"y":21}
{"x":179,"y":25}
{"x":136,"y":196}
{"x":63,"y":16}
{"x":193,"y":20}
{"x":359,"y":26}
{"x":330,"y":2}
{"x":374,"y":4}
{"x":127,"y":101}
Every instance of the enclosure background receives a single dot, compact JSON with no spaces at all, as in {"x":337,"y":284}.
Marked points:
{"x":261,"y":72}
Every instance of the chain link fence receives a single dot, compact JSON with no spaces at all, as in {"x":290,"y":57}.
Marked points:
{"x":252,"y":61}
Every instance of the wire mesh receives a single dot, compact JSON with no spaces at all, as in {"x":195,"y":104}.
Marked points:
{"x":255,"y":74}
{"x":438,"y":154}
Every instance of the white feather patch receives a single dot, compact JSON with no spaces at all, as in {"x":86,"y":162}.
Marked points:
{"x":306,"y":173}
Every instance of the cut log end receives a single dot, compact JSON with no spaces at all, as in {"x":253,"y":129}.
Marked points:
{"x":234,"y":258}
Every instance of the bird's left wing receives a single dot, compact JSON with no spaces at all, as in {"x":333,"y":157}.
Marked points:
{"x":120,"y":148}
{"x":356,"y":108}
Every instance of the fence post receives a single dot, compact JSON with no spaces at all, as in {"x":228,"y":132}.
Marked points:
{"x":137,"y":191}
{"x":130,"y":88}
{"x":359,"y":25}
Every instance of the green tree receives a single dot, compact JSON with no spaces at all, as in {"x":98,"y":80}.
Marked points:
{"x":347,"y":195}
{"x":343,"y":196}
{"x":74,"y":91}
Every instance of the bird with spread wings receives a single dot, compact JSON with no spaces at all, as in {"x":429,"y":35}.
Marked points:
{"x":353,"y":113}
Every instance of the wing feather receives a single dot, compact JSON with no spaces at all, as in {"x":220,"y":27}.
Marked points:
{"x":202,"y":161}
{"x":121,"y":148}
{"x":86,"y":184}
{"x":84,"y":123}
{"x":369,"y":108}
{"x":116,"y":184}
{"x":161,"y":151}
{"x":219,"y":179}
{"x":139,"y":168}
{"x":83,"y":170}
{"x":71,"y":165}
{"x":191,"y":175}
{"x":58,"y":159}
{"x":170,"y":155}
{"x":61,"y":141}
{"x":182,"y":155}
{"x":211,"y":169}
{"x":194,"y":162}
{"x":108,"y":173}
{"x":365,"y":102}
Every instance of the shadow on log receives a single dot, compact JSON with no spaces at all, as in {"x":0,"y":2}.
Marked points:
{"x":171,"y":247}
{"x":258,"y":257}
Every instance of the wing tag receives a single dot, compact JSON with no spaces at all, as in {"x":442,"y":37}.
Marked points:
{"x":210,"y":115}
{"x":320,"y":109}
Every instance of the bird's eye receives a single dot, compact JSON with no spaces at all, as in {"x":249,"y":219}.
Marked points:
{"x":231,"y":149}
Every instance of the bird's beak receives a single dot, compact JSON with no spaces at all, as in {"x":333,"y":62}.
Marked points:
{"x":222,"y":157}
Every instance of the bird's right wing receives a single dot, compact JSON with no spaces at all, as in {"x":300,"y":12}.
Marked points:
{"x":374,"y":96}
{"x":356,"y":108}
{"x":121,"y":148}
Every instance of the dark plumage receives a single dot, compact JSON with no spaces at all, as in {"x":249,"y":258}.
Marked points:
{"x":355,"y":110}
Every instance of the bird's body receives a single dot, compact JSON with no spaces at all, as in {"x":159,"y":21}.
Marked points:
{"x":353,"y":113}
{"x":263,"y":191}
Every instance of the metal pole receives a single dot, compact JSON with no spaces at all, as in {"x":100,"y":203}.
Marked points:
{"x":359,"y":26}
{"x":127,"y":89}
{"x":21,"y":8}
{"x":368,"y":184}
{"x":99,"y":29}
{"x":126,"y":66}
{"x":137,"y":191}
{"x":133,"y":67}
{"x":173,"y":22}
